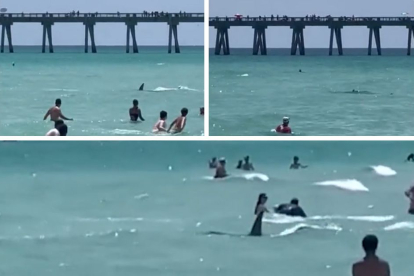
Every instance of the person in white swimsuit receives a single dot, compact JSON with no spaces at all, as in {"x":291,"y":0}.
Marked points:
{"x":161,"y":125}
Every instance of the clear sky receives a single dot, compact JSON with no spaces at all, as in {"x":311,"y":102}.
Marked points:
{"x":105,"y":34}
{"x":315,"y":37}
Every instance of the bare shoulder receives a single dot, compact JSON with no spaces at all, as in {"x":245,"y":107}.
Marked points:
{"x":383,"y":262}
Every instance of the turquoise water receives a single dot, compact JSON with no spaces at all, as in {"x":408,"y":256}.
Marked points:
{"x":97,"y":89}
{"x":249,"y":95}
{"x":133,"y":208}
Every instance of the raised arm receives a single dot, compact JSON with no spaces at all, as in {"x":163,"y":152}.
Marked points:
{"x":64,"y":117}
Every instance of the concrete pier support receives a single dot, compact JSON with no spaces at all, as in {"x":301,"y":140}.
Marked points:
{"x":259,"y":41}
{"x":47,"y":32}
{"x":222,"y":41}
{"x":410,"y":35}
{"x":376,"y":31}
{"x":131,"y":34}
{"x":90,"y":31}
{"x":6,"y":31}
{"x":336,"y":32}
{"x":297,"y":40}
{"x":173,"y":32}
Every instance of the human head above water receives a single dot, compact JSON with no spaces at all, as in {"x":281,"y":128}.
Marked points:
{"x":58,"y":102}
{"x":163,"y":115}
{"x":285,"y":121}
{"x":135,"y":102}
{"x":294,"y":201}
{"x":184,"y":111}
{"x":295,"y":159}
{"x":370,"y":244}
{"x":246,"y":159}
{"x":222,"y":160}
{"x":262,"y":198}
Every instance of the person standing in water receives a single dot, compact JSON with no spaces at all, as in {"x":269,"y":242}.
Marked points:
{"x":179,"y":123}
{"x":410,"y":157}
{"x":161,"y":125}
{"x":221,"y":169}
{"x":284,"y":127}
{"x":410,"y":194}
{"x":135,"y":112}
{"x":296,"y":165}
{"x":259,"y":211}
{"x":247,"y":166}
{"x":55,"y":112}
{"x":371,"y":265}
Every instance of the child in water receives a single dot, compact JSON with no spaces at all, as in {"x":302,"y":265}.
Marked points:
{"x":161,"y":125}
{"x":259,"y":211}
{"x":180,"y":122}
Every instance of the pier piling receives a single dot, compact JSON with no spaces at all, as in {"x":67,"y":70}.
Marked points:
{"x":131,"y":33}
{"x":6,"y":31}
{"x":259,"y":41}
{"x":336,"y":32}
{"x":90,"y":31}
{"x":47,"y":34}
{"x":222,"y":41}
{"x":297,"y":41}
{"x":376,"y":31}
{"x":410,"y":35}
{"x":173,"y":33}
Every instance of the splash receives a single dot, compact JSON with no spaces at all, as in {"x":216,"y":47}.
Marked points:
{"x":247,"y":176}
{"x":346,"y":184}
{"x":383,"y":170}
{"x":400,"y":225}
{"x":302,"y":226}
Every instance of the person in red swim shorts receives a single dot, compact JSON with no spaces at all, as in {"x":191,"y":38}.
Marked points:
{"x":284,"y":127}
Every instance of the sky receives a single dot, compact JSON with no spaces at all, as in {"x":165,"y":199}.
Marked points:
{"x":315,"y":37}
{"x":105,"y":34}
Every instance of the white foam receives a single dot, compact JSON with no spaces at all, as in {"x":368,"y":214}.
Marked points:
{"x":160,"y":63}
{"x":247,"y":176}
{"x":301,"y":226}
{"x":141,"y":196}
{"x":282,"y":219}
{"x":383,"y":170}
{"x":125,"y":131}
{"x":371,"y":218}
{"x":346,"y":184}
{"x":62,"y":89}
{"x":400,"y":225}
{"x":180,"y":87}
{"x":244,"y":75}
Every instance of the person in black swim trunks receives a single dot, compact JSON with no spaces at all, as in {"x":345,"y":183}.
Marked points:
{"x":259,"y":211}
{"x":135,"y":112}
{"x":290,"y":209}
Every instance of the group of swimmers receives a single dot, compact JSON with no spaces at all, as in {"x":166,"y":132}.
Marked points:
{"x":135,"y":114}
{"x":245,"y":165}
{"x":176,"y":126}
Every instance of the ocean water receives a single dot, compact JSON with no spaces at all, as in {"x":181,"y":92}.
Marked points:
{"x":249,"y":95}
{"x":128,"y":208}
{"x":97,"y":89}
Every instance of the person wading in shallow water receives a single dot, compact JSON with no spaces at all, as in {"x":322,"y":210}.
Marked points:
{"x":410,"y":194}
{"x":259,"y":211}
{"x":371,"y":265}
{"x":55,"y":112}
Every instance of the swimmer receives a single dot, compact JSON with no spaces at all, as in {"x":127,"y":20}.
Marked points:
{"x":63,"y":129}
{"x":179,"y":123}
{"x":290,"y":209}
{"x":201,"y":111}
{"x":161,"y":125}
{"x":221,"y":169}
{"x":213,"y":163}
{"x":300,"y":71}
{"x":371,"y":265}
{"x":135,"y":112}
{"x":54,"y":131}
{"x":55,"y":112}
{"x":247,"y":166}
{"x":410,"y":157}
{"x":296,"y":164}
{"x":410,"y":194}
{"x":239,"y":165}
{"x":284,"y":127}
{"x":259,"y":211}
